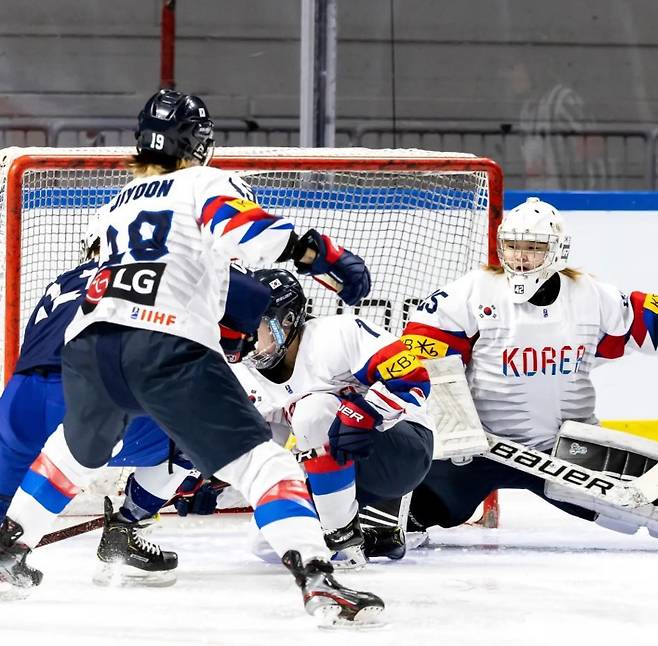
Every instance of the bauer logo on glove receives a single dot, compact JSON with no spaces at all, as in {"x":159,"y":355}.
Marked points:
{"x":350,"y":435}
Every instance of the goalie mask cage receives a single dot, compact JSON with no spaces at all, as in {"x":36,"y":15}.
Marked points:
{"x":418,"y":218}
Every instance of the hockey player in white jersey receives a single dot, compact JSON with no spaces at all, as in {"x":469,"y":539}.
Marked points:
{"x":528,"y":332}
{"x":146,"y":340}
{"x":343,"y":383}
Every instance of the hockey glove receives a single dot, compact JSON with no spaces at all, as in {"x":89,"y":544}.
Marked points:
{"x":236,"y":345}
{"x":198,"y":496}
{"x":350,"y":434}
{"x":341,"y":265}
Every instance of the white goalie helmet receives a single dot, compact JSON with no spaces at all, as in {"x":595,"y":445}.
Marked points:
{"x":92,"y":235}
{"x":532,"y":246}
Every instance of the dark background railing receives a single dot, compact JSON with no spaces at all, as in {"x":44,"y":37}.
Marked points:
{"x":583,"y":158}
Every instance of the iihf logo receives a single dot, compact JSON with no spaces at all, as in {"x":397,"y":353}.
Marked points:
{"x":488,"y":311}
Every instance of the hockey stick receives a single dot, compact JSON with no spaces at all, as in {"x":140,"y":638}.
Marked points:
{"x":97,"y":523}
{"x":70,"y":532}
{"x":609,"y":491}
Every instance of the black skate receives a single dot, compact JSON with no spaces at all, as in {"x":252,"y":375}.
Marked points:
{"x":128,"y":558}
{"x":384,"y":541}
{"x":16,"y":576}
{"x":347,"y":543}
{"x":326,"y":599}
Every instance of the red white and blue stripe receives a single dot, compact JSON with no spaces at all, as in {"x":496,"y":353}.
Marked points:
{"x":326,"y":476}
{"x":401,"y":372}
{"x":232,"y":213}
{"x":286,"y":499}
{"x":644,"y":325}
{"x":48,"y":485}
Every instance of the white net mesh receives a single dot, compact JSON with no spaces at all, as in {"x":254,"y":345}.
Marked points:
{"x":416,"y":228}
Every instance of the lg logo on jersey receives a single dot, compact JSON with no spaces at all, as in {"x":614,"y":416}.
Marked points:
{"x":548,"y":361}
{"x":141,"y":281}
{"x":137,"y":283}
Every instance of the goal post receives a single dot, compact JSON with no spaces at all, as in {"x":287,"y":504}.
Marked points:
{"x":418,"y":218}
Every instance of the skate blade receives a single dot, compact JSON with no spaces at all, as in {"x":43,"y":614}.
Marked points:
{"x":369,"y":618}
{"x":416,"y":540}
{"x":9,"y":592}
{"x":351,"y":558}
{"x":120,"y":575}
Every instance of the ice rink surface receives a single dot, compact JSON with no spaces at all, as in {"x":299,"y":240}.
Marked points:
{"x":542,"y":578}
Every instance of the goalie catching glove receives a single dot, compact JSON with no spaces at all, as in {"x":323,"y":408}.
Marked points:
{"x":341,"y":266}
{"x":350,"y":434}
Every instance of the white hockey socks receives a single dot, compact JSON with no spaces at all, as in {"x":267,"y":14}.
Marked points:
{"x":274,"y":485}
{"x":53,"y":480}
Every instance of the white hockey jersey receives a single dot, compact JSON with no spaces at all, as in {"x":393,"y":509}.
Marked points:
{"x":165,"y":258}
{"x":342,"y":354}
{"x":528,"y":366}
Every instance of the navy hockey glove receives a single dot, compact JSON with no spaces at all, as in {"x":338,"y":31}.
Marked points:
{"x":236,"y":345}
{"x":341,"y":265}
{"x":198,"y":496}
{"x":350,"y":434}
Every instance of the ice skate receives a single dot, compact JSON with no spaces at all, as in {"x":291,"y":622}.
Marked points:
{"x":16,"y":576}
{"x":347,"y":544}
{"x":328,"y":601}
{"x":128,"y":559}
{"x":384,"y":541}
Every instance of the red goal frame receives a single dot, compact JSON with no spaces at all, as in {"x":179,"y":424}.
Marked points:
{"x":18,"y":166}
{"x":21,"y":164}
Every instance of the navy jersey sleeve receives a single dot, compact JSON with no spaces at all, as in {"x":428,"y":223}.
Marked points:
{"x":44,"y":333}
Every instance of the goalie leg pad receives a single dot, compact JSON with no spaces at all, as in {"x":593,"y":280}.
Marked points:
{"x":458,"y":430}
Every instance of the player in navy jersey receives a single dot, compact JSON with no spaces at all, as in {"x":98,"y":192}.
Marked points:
{"x":32,"y":404}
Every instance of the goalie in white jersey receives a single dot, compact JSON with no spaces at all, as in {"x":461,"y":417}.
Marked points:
{"x":146,"y":340}
{"x":529,"y":333}
{"x":354,"y":399}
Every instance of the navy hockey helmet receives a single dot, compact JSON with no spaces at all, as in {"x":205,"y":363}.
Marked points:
{"x":174,"y":125}
{"x":283,"y":318}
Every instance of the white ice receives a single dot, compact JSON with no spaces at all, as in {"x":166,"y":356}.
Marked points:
{"x":542,"y":578}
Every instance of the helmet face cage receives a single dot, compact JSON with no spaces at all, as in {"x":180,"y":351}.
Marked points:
{"x":525,"y":253}
{"x":274,"y":339}
{"x":175,"y":126}
{"x":282,"y":321}
{"x":532,"y":246}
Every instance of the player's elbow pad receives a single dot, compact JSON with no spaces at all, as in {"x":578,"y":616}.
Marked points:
{"x":291,"y":249}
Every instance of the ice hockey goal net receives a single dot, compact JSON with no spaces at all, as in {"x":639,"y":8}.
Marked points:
{"x":418,"y":218}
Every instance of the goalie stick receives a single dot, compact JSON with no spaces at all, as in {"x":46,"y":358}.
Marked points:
{"x":635,"y":496}
{"x":603,"y":489}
